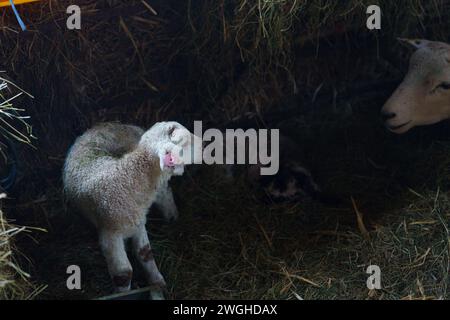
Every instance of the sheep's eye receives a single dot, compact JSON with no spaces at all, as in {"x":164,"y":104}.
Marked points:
{"x":444,"y":85}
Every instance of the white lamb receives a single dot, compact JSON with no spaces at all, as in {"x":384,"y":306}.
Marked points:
{"x":113,"y":174}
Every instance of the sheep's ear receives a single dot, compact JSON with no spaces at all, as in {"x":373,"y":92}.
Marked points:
{"x":415,"y":43}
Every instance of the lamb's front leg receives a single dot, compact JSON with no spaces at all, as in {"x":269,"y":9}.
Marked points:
{"x":119,"y":266}
{"x":166,"y":203}
{"x":143,"y":251}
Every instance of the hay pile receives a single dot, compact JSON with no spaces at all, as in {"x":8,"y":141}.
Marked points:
{"x":212,"y":60}
{"x":13,"y":281}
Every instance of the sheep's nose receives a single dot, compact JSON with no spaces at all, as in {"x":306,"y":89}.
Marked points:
{"x":387,"y":115}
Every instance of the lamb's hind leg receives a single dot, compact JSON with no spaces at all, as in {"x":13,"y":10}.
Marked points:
{"x":166,"y":203}
{"x":143,"y":251}
{"x":119,"y":266}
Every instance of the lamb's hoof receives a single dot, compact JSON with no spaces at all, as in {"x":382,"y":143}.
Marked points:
{"x":158,"y":289}
{"x":157,"y":295}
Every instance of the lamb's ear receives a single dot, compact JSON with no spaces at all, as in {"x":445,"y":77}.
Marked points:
{"x":178,"y":135}
{"x":415,"y":43}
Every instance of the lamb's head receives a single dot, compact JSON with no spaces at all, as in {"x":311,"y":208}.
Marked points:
{"x":423,"y":97}
{"x":174,"y":145}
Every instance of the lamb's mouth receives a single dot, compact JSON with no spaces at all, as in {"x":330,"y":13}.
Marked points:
{"x":395,"y":128}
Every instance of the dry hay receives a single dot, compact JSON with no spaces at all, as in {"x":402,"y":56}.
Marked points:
{"x":14,"y":282}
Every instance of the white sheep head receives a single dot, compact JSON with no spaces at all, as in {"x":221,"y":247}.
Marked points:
{"x":423,"y":97}
{"x":174,"y":145}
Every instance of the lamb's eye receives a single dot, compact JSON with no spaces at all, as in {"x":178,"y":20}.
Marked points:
{"x":171,"y":131}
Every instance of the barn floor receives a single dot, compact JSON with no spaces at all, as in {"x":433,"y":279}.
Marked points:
{"x":228,"y":244}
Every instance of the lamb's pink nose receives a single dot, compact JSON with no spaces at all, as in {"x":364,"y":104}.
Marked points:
{"x":169,"y":160}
